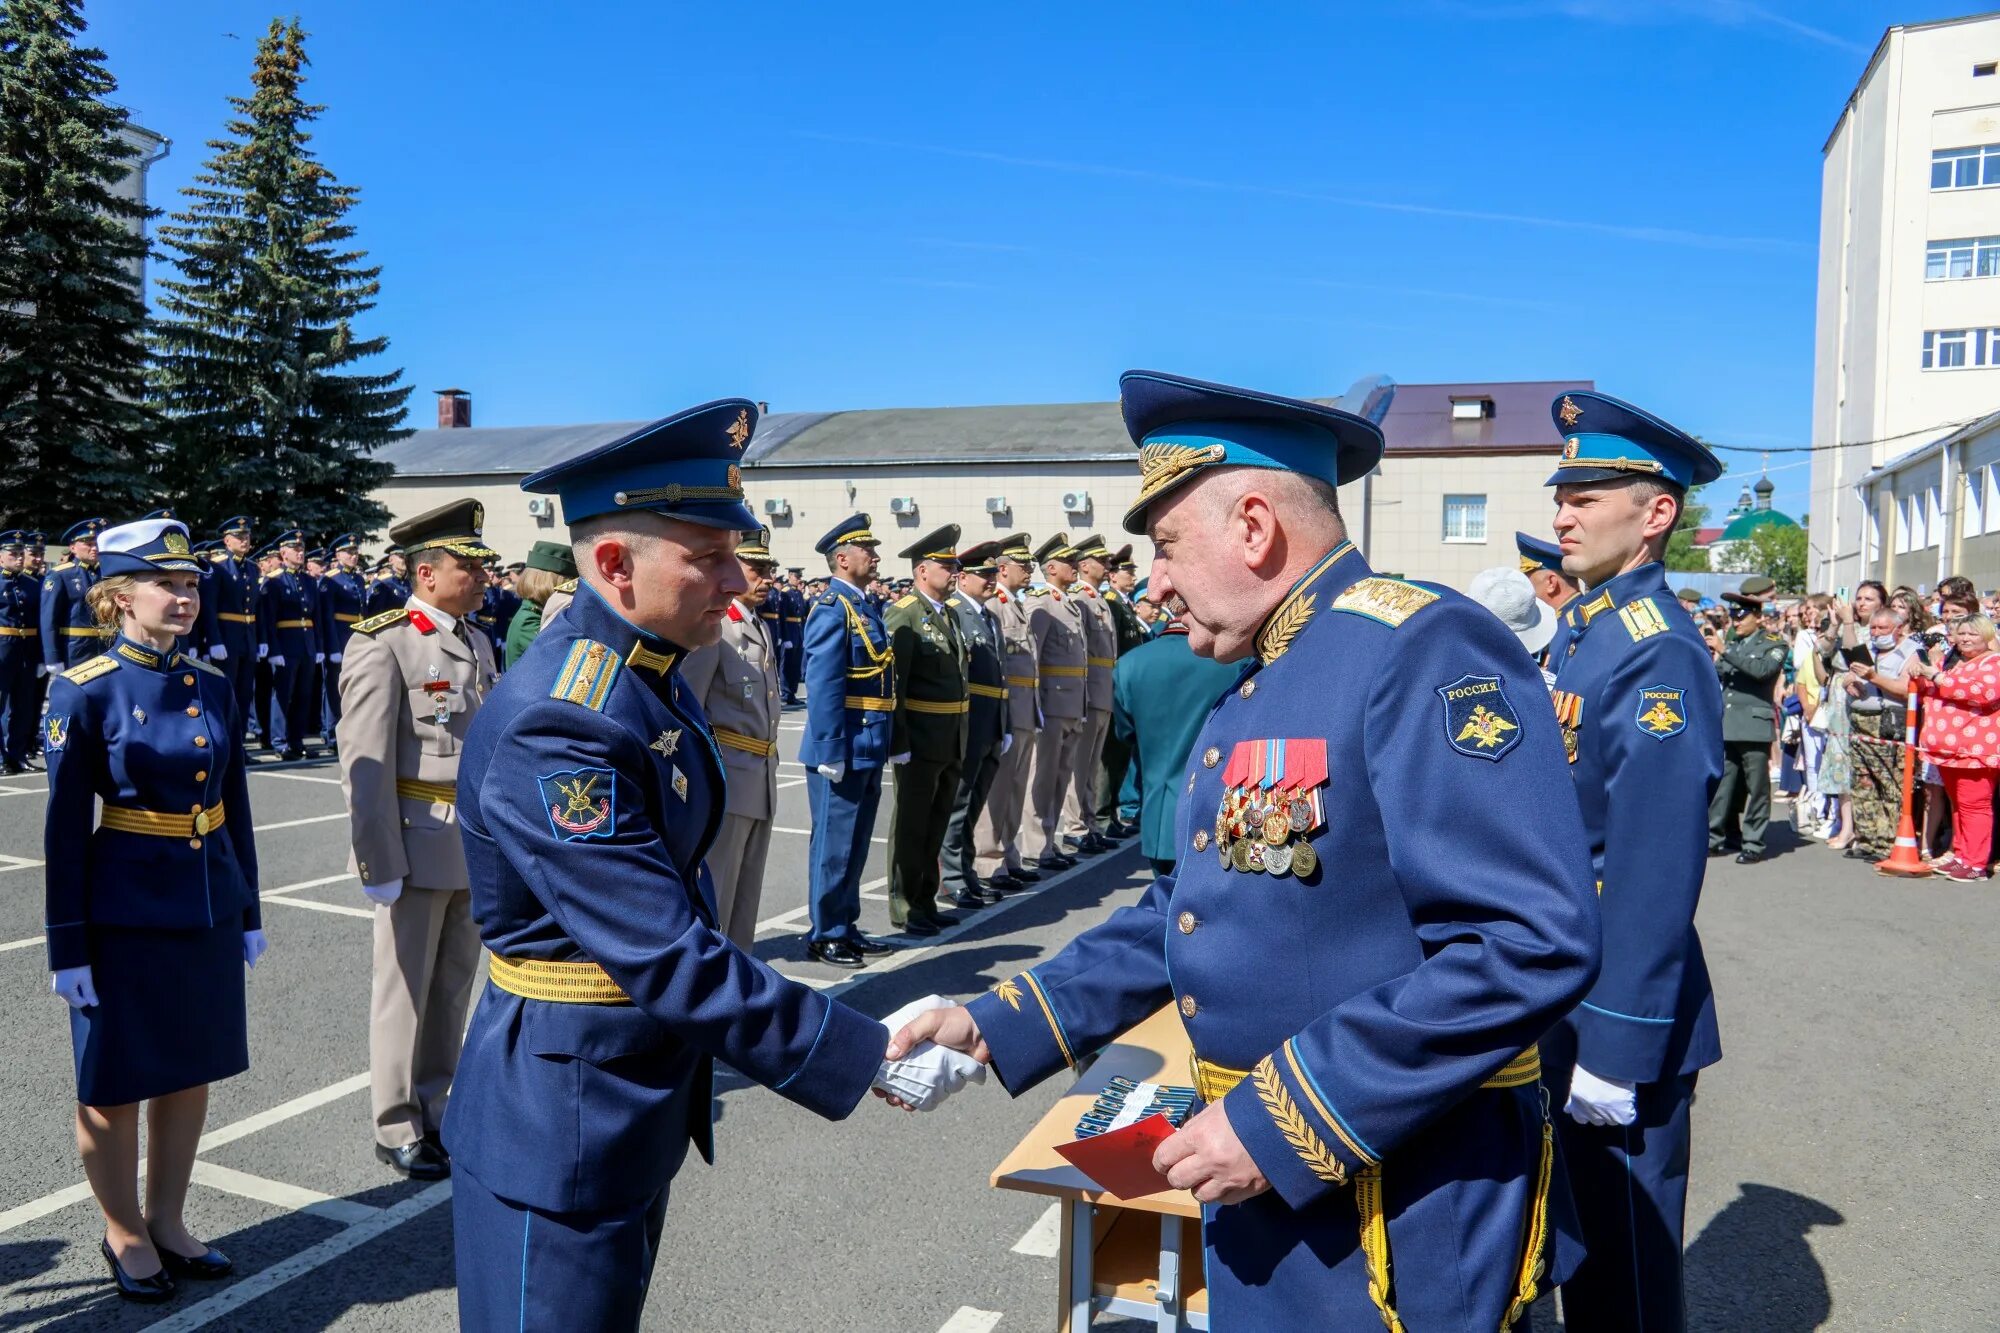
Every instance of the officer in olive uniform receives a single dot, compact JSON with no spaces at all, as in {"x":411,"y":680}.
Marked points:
{"x":414,"y":679}
{"x":548,"y":558}
{"x":1000,"y":863}
{"x":289,"y":607}
{"x":736,"y":678}
{"x":1747,"y":664}
{"x":988,"y":734}
{"x":20,"y":655}
{"x":1117,"y":796}
{"x":70,"y":633}
{"x":1055,"y":618}
{"x":928,"y":737}
{"x":1100,"y":643}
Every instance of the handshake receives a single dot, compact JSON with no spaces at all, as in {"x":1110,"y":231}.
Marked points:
{"x":917,"y":1073}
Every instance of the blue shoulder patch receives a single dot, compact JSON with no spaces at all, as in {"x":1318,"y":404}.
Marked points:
{"x":1662,"y":711}
{"x":582,"y":803}
{"x":1478,"y":719}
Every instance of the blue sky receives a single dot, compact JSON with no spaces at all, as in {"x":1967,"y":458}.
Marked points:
{"x":613,"y":219}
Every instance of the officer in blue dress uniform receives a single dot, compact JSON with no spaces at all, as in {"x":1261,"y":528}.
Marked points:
{"x":792,"y":635}
{"x":1541,"y":561}
{"x":343,"y":604}
{"x":231,"y":602}
{"x":70,"y":634}
{"x":151,"y":901}
{"x":1636,"y":696}
{"x":587,"y":1070}
{"x":850,"y":678}
{"x":288,"y":607}
{"x":392,"y":590}
{"x":1376,"y":912}
{"x":20,"y":655}
{"x":772,"y":612}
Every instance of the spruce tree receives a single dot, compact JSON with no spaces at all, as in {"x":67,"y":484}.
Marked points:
{"x":256,"y":354}
{"x":75,"y":435}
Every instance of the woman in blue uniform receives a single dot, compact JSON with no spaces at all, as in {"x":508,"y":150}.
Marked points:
{"x":152,"y":908}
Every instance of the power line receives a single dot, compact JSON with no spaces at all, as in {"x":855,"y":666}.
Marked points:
{"x":1939,"y":429}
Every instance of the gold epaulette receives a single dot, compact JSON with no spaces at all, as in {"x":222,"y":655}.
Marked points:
{"x":907,"y":599}
{"x":217,"y":557}
{"x":382,"y":621}
{"x":86,"y":672}
{"x":587,"y":674}
{"x":1390,"y":601}
{"x":1642,"y":619}
{"x":568,"y":586}
{"x":189,"y":659}
{"x":59,"y":568}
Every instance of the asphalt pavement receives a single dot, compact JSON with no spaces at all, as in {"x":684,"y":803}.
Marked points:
{"x":1847,"y":1150}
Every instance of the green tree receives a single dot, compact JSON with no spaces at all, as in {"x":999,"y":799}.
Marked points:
{"x":257,"y":362}
{"x":1776,"y":549}
{"x":74,"y":428}
{"x":1681,"y":552}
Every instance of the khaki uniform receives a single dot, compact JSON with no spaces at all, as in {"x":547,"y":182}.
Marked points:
{"x":737,"y":681}
{"x":399,"y":770}
{"x":1056,"y":622}
{"x":1000,"y":827}
{"x":1100,"y":638}
{"x":564,"y":594}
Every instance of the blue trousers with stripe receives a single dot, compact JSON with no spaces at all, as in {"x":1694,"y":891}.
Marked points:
{"x":521,"y":1270}
{"x":843,"y":819}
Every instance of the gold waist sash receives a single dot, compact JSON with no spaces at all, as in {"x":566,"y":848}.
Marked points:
{"x":1065,"y":671}
{"x":9,"y":632}
{"x":736,"y":740}
{"x":236,"y":617}
{"x":555,"y":983}
{"x":870,"y":704}
{"x":1214,"y":1081}
{"x":72,"y":632}
{"x":295,"y":624}
{"x":1102,"y":661}
{"x":445,"y":793}
{"x":988,"y":691}
{"x":1025,"y":682}
{"x":128,"y":819}
{"x":938,"y":707}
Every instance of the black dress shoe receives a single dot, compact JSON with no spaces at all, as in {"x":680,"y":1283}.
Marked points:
{"x":1060,"y":861}
{"x":13,"y":770}
{"x":436,"y":1141}
{"x":418,"y":1161}
{"x":916,"y":925}
{"x":211,"y":1265}
{"x":1748,"y":858}
{"x":834,"y":953}
{"x":1118,"y":830}
{"x":1000,"y":885}
{"x":970,"y":900}
{"x":1025,"y":876}
{"x":862,"y":944}
{"x":292,"y":756}
{"x":146,"y":1290}
{"x":1095,"y":843}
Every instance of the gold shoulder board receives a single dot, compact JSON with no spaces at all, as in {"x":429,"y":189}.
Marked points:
{"x":907,"y":599}
{"x":376,"y":623}
{"x":568,"y":586}
{"x":88,"y":671}
{"x":1642,"y":619}
{"x":587,"y":674}
{"x":1390,"y":601}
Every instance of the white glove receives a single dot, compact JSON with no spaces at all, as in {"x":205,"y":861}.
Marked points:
{"x":218,"y":653}
{"x":254,"y":945}
{"x":75,"y":986}
{"x":335,"y":659}
{"x":928,"y":1075}
{"x":1006,"y":743}
{"x":1601,"y":1101}
{"x":902,"y":758}
{"x":41,"y":669}
{"x":318,"y":658}
{"x":277,"y":660}
{"x":384,"y":893}
{"x":833,"y":772}
{"x":263,"y":651}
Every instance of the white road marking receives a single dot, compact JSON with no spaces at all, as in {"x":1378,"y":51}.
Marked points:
{"x":963,"y":1320}
{"x":294,"y":823}
{"x":304,"y":884}
{"x":789,"y":920}
{"x":276,"y":893}
{"x":807,"y":833}
{"x":17,"y":863}
{"x":291,"y":1198}
{"x":292,"y":777}
{"x":1044,"y":1239}
{"x":338,"y":909}
{"x":791,"y":782}
{"x":24,"y":791}
{"x":28,"y":943}
{"x":266,"y":1281}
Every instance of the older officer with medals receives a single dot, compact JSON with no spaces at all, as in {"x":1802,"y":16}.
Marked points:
{"x":1000,"y":830}
{"x":927,"y":735}
{"x":151,"y":899}
{"x":1364,"y":1033}
{"x":736,"y":681}
{"x":415,"y":679}
{"x":594,"y":791}
{"x":71,"y":635}
{"x":1636,"y":695}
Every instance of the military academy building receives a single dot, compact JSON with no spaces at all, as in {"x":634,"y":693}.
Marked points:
{"x":1464,"y":470}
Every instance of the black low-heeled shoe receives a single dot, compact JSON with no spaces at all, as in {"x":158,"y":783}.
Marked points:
{"x":146,"y":1290}
{"x":211,"y":1265}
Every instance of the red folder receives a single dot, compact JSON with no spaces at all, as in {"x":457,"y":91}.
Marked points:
{"x":1121,"y":1162}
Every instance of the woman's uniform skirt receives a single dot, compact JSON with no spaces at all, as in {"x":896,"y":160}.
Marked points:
{"x":170,"y":1013}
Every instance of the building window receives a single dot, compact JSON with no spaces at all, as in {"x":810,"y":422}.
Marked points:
{"x":1969,"y":257}
{"x":1965,"y":168}
{"x":1465,"y":518}
{"x":1961,"y":349}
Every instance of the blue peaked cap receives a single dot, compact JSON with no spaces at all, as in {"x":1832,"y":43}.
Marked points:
{"x":85,"y":531}
{"x":686,"y":466}
{"x":1538,"y":554}
{"x":1185,"y":427}
{"x":850,"y":531}
{"x":1608,"y":439}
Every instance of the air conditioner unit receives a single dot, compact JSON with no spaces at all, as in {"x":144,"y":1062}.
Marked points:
{"x":997,"y":504}
{"x":779,"y":508}
{"x":903,"y":504}
{"x":1076,"y":502}
{"x":540,"y":506}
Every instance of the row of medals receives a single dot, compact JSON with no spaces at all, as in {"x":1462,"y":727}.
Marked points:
{"x":1254,"y":831}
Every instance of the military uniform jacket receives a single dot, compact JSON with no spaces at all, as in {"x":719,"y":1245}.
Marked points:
{"x":1100,"y":644}
{"x":792,"y":613}
{"x":986,"y":718}
{"x":850,"y":677}
{"x":387,"y":594}
{"x":409,"y":690}
{"x":1125,"y":622}
{"x":70,"y":635}
{"x":20,"y":621}
{"x":155,"y":737}
{"x":931,"y":698}
{"x":772,"y":612}
{"x":593,"y":791}
{"x":1022,"y":671}
{"x":1643,"y":721}
{"x":1056,"y":620}
{"x":1162,"y":694}
{"x":735,"y":679}
{"x":230,"y":597}
{"x":287,"y":614}
{"x":343,"y":604}
{"x":1747,"y":668}
{"x":1377,"y":1017}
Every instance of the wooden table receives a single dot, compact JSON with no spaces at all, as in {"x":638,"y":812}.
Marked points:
{"x":1140,"y":1258}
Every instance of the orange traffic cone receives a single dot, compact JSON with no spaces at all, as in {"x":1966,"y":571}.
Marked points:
{"x":1907,"y":860}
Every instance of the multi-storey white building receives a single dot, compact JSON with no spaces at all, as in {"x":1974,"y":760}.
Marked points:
{"x":1907,"y":349}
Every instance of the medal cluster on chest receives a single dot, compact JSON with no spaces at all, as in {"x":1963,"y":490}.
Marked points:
{"x":1271,"y":805}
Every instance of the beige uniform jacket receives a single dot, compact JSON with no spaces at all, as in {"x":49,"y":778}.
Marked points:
{"x":1018,"y":662}
{"x":736,"y":679}
{"x":1100,"y":643}
{"x":1056,"y":622}
{"x":398,"y":762}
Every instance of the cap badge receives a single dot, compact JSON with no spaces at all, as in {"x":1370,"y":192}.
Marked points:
{"x":739,"y":429}
{"x":1569,"y":412}
{"x":176,"y":544}
{"x":735,"y":478}
{"x":1570,"y":446}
